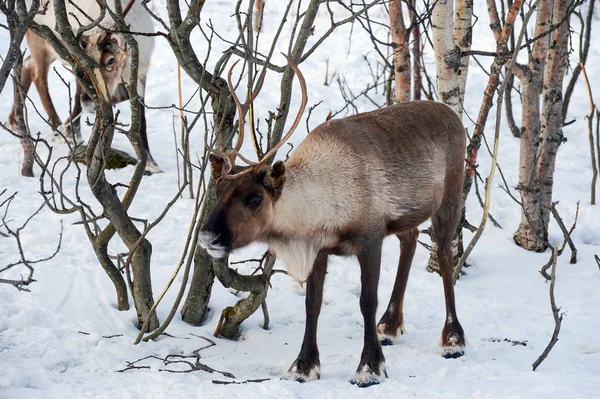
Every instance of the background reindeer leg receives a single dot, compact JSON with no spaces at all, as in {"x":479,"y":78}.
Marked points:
{"x":307,"y":365}
{"x":151,"y":165}
{"x":72,"y":126}
{"x":392,"y":321}
{"x":26,"y":78}
{"x":39,"y":62}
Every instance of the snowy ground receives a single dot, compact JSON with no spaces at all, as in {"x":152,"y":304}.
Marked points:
{"x":44,"y":354}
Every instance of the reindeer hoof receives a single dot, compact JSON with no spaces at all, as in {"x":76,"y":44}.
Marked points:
{"x":387,"y":338}
{"x":151,"y":168}
{"x":365,"y":377}
{"x":302,"y":376}
{"x":453,"y":344}
{"x":453,"y":352}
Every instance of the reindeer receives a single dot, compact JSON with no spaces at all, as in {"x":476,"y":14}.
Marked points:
{"x":109,"y":50}
{"x":349,"y":184}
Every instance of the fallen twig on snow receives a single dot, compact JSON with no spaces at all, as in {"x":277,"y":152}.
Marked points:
{"x":511,"y":341}
{"x":192,"y":361}
{"x":239,"y":382}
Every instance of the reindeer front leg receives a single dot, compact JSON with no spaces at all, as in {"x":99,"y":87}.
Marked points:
{"x":71,"y":129}
{"x":151,"y":165}
{"x":307,"y":365}
{"x":371,"y":369}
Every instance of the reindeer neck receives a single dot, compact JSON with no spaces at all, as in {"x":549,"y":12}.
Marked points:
{"x":316,"y":197}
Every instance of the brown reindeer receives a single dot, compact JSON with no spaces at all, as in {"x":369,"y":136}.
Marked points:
{"x":108,"y":50}
{"x":349,"y":184}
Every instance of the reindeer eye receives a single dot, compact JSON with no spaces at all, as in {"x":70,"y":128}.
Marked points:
{"x":111,"y":61}
{"x":82,"y":44}
{"x":253,"y":201}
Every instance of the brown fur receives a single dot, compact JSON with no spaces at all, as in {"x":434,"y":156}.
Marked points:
{"x":350,"y":183}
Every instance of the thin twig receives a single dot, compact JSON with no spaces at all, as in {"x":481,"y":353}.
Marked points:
{"x":555,"y":313}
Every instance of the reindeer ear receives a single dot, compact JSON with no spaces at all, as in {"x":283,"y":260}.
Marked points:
{"x":277,"y":176}
{"x":104,"y":41}
{"x":273,"y":178}
{"x":216,"y":163}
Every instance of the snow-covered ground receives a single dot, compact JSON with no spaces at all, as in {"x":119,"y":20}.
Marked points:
{"x":44,"y":352}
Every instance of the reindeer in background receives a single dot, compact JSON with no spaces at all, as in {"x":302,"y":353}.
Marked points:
{"x":349,"y":184}
{"x":108,"y":50}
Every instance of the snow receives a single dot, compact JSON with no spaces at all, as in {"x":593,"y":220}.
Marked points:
{"x":52,"y":340}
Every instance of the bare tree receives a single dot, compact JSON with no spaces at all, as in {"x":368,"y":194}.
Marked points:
{"x":452,"y":35}
{"x":63,"y":199}
{"x":531,"y":77}
{"x":542,"y":129}
{"x":400,"y":48}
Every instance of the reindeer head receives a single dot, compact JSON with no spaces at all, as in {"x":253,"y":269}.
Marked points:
{"x":246,"y":196}
{"x":109,"y":51}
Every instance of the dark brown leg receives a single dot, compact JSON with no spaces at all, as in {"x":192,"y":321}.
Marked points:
{"x":306,"y":367}
{"x":71,"y":129}
{"x":444,"y":225}
{"x":26,"y":76}
{"x":371,"y":369}
{"x":391,"y":324}
{"x":151,"y":165}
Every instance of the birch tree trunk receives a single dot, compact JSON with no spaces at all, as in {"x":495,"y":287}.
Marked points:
{"x":462,"y":39}
{"x":416,"y":50}
{"x":531,"y":234}
{"x":401,"y":53}
{"x":451,"y":36}
{"x":552,"y":120}
{"x":447,"y":54}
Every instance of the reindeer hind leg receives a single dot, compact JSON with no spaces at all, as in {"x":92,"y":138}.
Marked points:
{"x":391,"y":324}
{"x":444,"y":224}
{"x":26,"y":79}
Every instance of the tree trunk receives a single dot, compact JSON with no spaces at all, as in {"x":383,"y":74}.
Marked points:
{"x":19,"y":114}
{"x":552,"y":120}
{"x":100,"y":246}
{"x":531,"y":233}
{"x":451,"y":36}
{"x":416,"y":50}
{"x":462,"y":39}
{"x":447,"y":55}
{"x":196,"y":303}
{"x":401,"y":53}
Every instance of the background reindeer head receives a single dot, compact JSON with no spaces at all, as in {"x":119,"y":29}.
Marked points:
{"x":109,"y":51}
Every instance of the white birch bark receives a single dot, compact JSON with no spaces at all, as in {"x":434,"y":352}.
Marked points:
{"x":531,"y":233}
{"x":462,"y":39}
{"x":447,"y":55}
{"x":401,"y":53}
{"x":552,"y":119}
